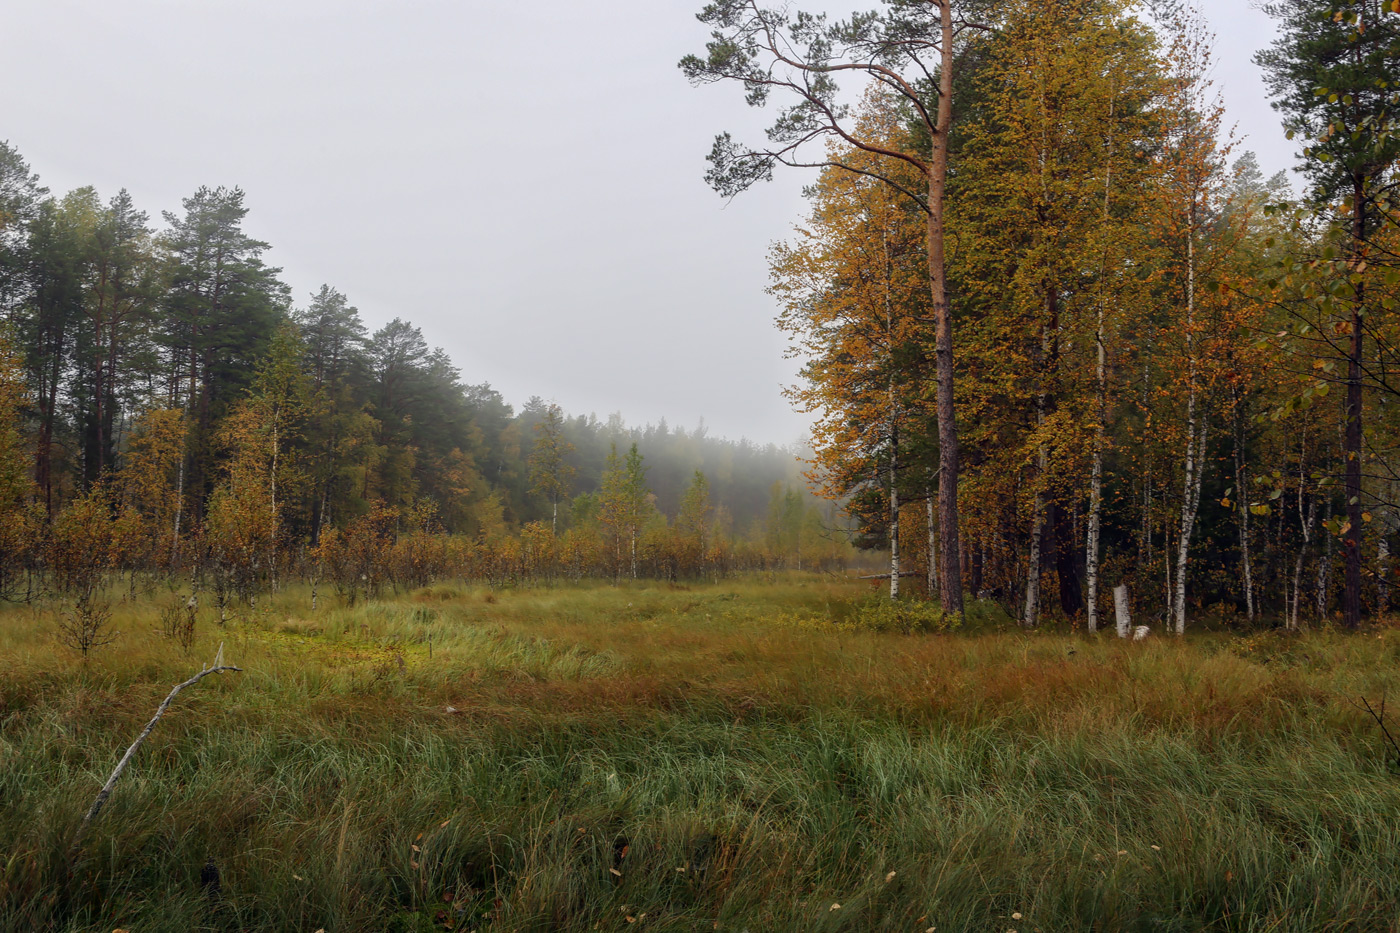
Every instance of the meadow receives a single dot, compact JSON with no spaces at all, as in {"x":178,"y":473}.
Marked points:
{"x":732,"y":756}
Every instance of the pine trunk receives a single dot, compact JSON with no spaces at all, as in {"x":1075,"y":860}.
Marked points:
{"x":950,"y":585}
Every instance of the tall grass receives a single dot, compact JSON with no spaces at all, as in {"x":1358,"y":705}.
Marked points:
{"x":714,"y":758}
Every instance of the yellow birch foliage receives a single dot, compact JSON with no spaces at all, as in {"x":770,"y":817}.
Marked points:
{"x":854,"y":299}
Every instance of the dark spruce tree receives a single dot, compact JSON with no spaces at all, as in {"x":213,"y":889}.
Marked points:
{"x":1334,"y":74}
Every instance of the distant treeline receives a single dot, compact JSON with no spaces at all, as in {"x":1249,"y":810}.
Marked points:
{"x":163,"y":382}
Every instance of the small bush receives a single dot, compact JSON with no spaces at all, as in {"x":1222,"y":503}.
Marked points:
{"x":87,"y":625}
{"x":879,"y":614}
{"x":986,"y":613}
{"x":177,"y":621}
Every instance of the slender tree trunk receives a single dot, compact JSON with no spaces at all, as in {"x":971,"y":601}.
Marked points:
{"x":1091,"y":545}
{"x":1382,"y":573}
{"x":950,"y":591}
{"x":1324,"y":569}
{"x":1351,"y":541}
{"x":932,"y":543}
{"x":1031,"y":614}
{"x":272,"y":545}
{"x":1061,"y":524}
{"x":894,"y":499}
{"x":1195,"y":441}
{"x":894,"y":420}
{"x":179,"y":512}
{"x":1091,"y":548}
{"x":110,"y":444}
{"x":1305,"y":523}
{"x":1242,"y":497}
{"x":1190,"y":506}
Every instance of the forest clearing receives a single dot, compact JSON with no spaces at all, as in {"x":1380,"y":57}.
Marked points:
{"x":1070,"y":605}
{"x":740,"y":755}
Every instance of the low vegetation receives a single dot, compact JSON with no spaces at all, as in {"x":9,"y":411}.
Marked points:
{"x":744,"y":755}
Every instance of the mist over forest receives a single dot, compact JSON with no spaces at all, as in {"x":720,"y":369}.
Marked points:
{"x":120,"y":329}
{"x":1077,"y":610}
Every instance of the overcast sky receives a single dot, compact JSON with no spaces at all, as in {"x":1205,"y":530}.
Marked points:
{"x":521,"y":180}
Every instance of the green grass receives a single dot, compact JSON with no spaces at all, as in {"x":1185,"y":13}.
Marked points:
{"x":723,"y":757}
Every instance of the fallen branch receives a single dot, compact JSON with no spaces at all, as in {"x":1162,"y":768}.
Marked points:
{"x":218,"y":667}
{"x":885,"y":576}
{"x":1379,"y":717}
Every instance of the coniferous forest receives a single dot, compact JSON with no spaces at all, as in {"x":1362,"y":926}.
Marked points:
{"x":170,"y":408}
{"x":1077,"y":609}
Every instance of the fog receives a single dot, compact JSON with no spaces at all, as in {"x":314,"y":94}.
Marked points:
{"x":523,"y":181}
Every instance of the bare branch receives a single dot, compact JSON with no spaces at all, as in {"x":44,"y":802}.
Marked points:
{"x":218,"y":667}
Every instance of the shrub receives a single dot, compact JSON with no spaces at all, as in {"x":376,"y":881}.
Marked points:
{"x":879,"y":614}
{"x":177,"y":621}
{"x":87,"y":625}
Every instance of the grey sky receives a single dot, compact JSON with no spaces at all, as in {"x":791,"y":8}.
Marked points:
{"x":521,"y":180}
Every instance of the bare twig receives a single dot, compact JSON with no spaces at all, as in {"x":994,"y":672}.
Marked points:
{"x":218,"y":667}
{"x":1379,"y":717}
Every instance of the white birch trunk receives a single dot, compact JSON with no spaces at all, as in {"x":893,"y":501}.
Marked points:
{"x":894,"y":424}
{"x":1195,"y":442}
{"x":894,"y":493}
{"x":894,"y":531}
{"x":1305,"y":521}
{"x":1091,"y":546}
{"x":1031,"y":613}
{"x":1242,"y":497}
{"x":179,"y":509}
{"x":1324,"y":569}
{"x":1091,"y":559}
{"x":1122,"y":610}
{"x":932,"y":545}
{"x":1191,"y":502}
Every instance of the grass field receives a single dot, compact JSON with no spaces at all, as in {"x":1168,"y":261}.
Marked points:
{"x":729,"y":757}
